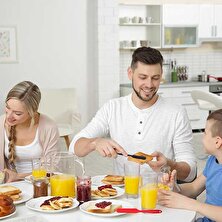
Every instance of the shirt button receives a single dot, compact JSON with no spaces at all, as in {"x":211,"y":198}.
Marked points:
{"x":139,"y":133}
{"x":141,"y":122}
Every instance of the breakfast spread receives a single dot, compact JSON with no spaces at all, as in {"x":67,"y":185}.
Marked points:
{"x":113,"y":180}
{"x":11,"y":191}
{"x":104,"y":191}
{"x":140,"y":161}
{"x":6,"y":205}
{"x":103,"y":207}
{"x":57,"y":203}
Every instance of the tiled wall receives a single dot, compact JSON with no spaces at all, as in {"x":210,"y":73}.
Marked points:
{"x":108,"y":50}
{"x":208,"y":57}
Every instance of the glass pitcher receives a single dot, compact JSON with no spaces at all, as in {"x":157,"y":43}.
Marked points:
{"x":63,"y":174}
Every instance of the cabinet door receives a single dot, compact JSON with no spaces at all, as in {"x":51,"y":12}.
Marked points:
{"x":181,"y":14}
{"x":218,"y":20}
{"x":206,"y":24}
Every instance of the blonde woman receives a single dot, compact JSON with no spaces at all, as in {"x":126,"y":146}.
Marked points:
{"x":24,"y":133}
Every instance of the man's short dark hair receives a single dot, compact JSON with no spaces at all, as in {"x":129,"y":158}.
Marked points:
{"x":216,"y":128}
{"x":146,"y":55}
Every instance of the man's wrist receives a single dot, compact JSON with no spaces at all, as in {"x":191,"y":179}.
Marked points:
{"x":93,"y":144}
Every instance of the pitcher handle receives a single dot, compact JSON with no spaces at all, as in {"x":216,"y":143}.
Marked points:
{"x":81,"y":164}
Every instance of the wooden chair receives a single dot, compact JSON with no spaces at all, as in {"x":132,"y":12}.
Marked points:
{"x":61,"y":106}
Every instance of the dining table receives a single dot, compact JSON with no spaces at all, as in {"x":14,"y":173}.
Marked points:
{"x":24,"y":214}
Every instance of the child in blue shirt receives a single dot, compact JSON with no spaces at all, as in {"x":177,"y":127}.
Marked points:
{"x":211,"y":178}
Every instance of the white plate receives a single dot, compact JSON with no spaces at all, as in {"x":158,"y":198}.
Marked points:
{"x":8,"y":215}
{"x":97,"y":181}
{"x":34,"y":204}
{"x":120,"y":192}
{"x":25,"y":197}
{"x":85,"y":206}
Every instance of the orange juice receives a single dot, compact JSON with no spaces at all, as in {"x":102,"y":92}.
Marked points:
{"x":131,"y":184}
{"x":38,"y":173}
{"x":148,"y":196}
{"x":62,"y":185}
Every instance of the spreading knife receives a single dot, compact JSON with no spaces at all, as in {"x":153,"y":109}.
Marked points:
{"x":135,"y":210}
{"x":134,"y":156}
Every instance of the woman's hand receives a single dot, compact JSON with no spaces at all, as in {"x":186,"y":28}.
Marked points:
{"x":10,"y":176}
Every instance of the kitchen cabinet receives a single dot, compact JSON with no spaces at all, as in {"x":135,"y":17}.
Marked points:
{"x":210,"y":25}
{"x":139,"y":25}
{"x":180,"y":25}
{"x":181,"y":95}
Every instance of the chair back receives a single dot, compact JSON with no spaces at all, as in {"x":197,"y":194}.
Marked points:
{"x":206,"y":100}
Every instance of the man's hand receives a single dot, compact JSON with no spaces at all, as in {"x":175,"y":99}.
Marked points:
{"x":108,"y":147}
{"x":161,"y":160}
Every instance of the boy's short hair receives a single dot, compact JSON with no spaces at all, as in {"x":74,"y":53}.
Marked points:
{"x":216,"y":128}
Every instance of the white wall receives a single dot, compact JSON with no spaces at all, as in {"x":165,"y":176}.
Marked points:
{"x":52,"y":47}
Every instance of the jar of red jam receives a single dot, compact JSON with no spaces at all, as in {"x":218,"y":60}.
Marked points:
{"x":83,"y":188}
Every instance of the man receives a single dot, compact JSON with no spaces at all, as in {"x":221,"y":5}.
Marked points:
{"x":142,"y":121}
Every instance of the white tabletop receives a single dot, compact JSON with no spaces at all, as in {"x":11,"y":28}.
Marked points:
{"x":168,"y":214}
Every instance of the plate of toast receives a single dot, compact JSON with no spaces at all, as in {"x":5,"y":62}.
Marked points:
{"x":115,"y":180}
{"x":52,"y":204}
{"x":15,"y":193}
{"x":103,"y":208}
{"x":106,"y":192}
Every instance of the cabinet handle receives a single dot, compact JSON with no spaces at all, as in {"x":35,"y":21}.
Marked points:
{"x":188,"y":104}
{"x":194,"y":120}
{"x":212,"y":30}
{"x":186,"y":92}
{"x":215,"y":32}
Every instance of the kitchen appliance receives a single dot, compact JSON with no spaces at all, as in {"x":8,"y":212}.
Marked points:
{"x":216,"y":89}
{"x":219,"y":79}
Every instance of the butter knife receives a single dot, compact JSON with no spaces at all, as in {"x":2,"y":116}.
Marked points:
{"x":134,"y":156}
{"x":135,"y":210}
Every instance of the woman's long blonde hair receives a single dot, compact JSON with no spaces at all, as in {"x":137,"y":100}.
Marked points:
{"x":28,"y":93}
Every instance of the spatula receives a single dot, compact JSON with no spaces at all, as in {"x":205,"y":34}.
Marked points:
{"x":135,"y":210}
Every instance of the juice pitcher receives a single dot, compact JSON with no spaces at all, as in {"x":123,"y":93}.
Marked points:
{"x":65,"y":167}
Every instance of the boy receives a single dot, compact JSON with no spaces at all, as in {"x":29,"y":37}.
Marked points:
{"x":210,"y":179}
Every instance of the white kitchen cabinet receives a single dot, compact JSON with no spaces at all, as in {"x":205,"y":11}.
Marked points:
{"x":210,"y":25}
{"x":139,"y":25}
{"x":180,"y":14}
{"x":181,"y":96}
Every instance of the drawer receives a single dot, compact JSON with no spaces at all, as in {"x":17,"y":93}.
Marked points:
{"x":180,"y":91}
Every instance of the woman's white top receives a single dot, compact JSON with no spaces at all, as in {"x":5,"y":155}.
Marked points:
{"x":25,"y":154}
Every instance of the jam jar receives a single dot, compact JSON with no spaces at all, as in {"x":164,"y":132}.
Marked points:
{"x":83,"y":188}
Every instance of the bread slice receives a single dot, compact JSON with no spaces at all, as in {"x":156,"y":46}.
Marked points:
{"x":148,"y":158}
{"x":94,"y":209}
{"x":115,"y":178}
{"x":16,"y":197}
{"x":113,"y":182}
{"x":9,"y":190}
{"x":114,"y":207}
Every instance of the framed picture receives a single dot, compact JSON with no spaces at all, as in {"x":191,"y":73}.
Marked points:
{"x":8,"y":48}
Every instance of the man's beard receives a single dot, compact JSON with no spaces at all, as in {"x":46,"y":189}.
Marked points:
{"x":146,"y":99}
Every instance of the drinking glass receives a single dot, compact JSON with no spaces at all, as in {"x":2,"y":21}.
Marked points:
{"x":131,"y":179}
{"x":38,"y":168}
{"x":148,"y":190}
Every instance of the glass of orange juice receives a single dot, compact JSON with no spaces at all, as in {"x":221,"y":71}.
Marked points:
{"x":131,"y":179}
{"x":38,"y":168}
{"x":148,"y":190}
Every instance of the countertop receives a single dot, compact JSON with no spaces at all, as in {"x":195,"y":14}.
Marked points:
{"x":179,"y":84}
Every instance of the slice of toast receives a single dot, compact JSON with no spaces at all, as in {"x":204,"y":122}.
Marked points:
{"x":94,"y":209}
{"x":9,"y":190}
{"x":148,"y":158}
{"x":116,"y":178}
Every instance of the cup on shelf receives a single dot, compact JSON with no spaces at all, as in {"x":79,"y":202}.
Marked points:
{"x":124,"y":20}
{"x":136,"y":19}
{"x":125,"y":44}
{"x":145,"y":43}
{"x":134,"y":43}
{"x":149,"y":19}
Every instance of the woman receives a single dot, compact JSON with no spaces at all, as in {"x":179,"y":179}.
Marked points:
{"x":24,"y":133}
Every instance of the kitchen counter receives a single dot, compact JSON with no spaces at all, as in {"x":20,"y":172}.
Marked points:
{"x":179,"y":84}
